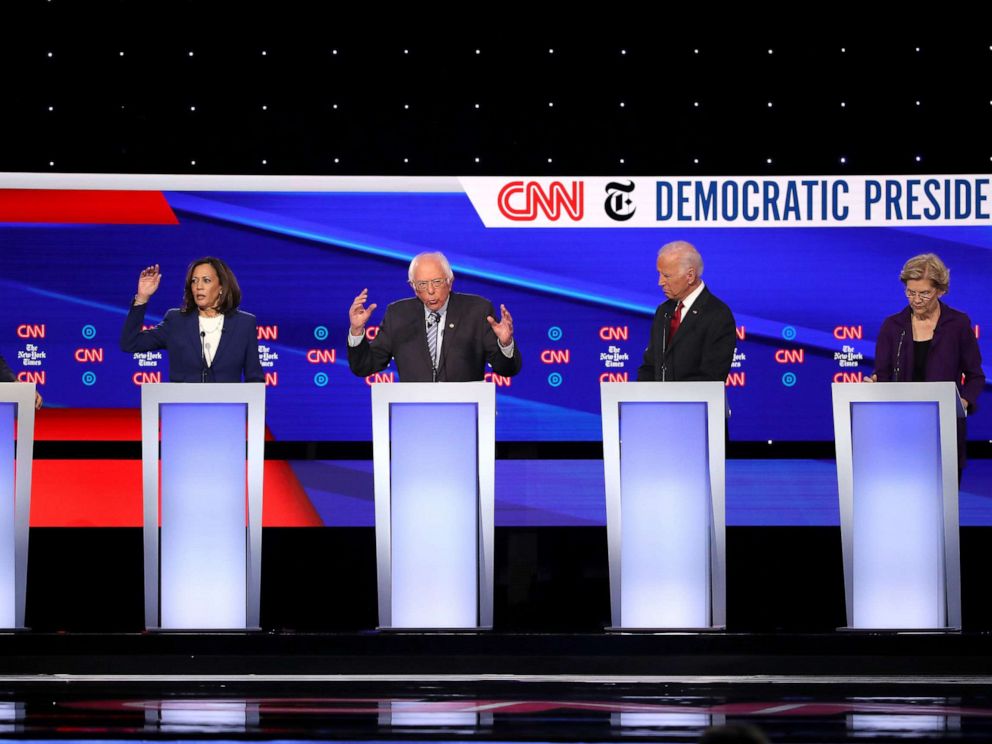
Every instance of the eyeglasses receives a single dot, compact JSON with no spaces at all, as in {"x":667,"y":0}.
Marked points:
{"x":925,"y":296}
{"x":435,"y":283}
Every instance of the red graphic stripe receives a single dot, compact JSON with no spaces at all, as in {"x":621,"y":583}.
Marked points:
{"x":64,"y":206}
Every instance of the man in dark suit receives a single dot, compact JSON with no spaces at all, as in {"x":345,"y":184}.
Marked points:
{"x":437,"y":336}
{"x":693,"y":335}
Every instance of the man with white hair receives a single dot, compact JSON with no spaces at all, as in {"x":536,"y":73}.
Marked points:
{"x":436,"y":336}
{"x":693,"y":335}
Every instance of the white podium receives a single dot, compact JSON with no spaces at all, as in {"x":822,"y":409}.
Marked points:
{"x":16,"y":419}
{"x":664,"y":459}
{"x":434,"y":458}
{"x":204,"y":572}
{"x":897,"y":476}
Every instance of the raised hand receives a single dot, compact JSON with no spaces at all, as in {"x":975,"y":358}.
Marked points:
{"x":148,"y":284}
{"x":503,"y":329}
{"x":358,"y":314}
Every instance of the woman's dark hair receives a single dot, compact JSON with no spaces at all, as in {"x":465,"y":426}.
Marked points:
{"x":230,"y":298}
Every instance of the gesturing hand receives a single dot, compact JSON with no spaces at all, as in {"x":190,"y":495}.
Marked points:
{"x":148,"y":284}
{"x":503,"y":329}
{"x":358,"y":314}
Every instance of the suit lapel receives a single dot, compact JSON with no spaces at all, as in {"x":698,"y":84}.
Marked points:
{"x":193,"y":333}
{"x":690,"y":319}
{"x":452,"y":324}
{"x":420,"y":332}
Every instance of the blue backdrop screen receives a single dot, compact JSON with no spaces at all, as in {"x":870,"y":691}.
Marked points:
{"x":808,"y":304}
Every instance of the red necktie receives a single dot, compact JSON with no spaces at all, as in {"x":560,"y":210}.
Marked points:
{"x":676,"y":320}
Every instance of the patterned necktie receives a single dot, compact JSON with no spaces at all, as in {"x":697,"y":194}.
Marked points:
{"x":432,"y":322}
{"x":676,"y":321}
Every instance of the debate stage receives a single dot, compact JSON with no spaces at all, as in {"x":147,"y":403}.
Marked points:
{"x":496,"y":686}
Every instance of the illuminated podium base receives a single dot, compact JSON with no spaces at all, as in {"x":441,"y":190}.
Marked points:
{"x":16,"y":414}
{"x":897,"y":475}
{"x":663,"y":455}
{"x":203,"y":565}
{"x":434,"y":460}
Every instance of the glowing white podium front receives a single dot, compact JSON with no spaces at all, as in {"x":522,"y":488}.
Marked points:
{"x":434,"y":458}
{"x":664,"y":460}
{"x":16,"y":419}
{"x":205,"y":572}
{"x":897,"y":477}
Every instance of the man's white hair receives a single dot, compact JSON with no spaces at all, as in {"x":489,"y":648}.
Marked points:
{"x":436,"y":256}
{"x":686,"y":253}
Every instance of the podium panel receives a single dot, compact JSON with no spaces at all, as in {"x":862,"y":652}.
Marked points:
{"x":434,"y":460}
{"x":897,"y":480}
{"x":663,"y":452}
{"x":202,"y":566}
{"x":16,"y":418}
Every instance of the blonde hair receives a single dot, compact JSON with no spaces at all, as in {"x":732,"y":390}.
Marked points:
{"x":927,"y":266}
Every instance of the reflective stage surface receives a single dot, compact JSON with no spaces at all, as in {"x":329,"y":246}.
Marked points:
{"x":494,"y":708}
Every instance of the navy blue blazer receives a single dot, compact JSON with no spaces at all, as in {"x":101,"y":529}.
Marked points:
{"x":179,"y":334}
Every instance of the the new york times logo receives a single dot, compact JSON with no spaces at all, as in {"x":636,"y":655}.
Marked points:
{"x":619,"y":206}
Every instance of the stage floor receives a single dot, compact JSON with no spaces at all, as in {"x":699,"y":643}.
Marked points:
{"x":494,"y":686}
{"x":504,"y":708}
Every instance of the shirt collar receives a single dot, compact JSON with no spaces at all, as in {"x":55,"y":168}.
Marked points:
{"x":440,"y":311}
{"x":691,"y":297}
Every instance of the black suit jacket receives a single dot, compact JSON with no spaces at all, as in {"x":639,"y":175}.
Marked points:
{"x":467,"y":345}
{"x":6,"y":373}
{"x":702,"y":348}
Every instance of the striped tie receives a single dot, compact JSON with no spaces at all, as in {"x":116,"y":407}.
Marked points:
{"x":432,"y":321}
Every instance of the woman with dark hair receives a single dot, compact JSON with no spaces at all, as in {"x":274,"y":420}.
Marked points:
{"x":208,"y":338}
